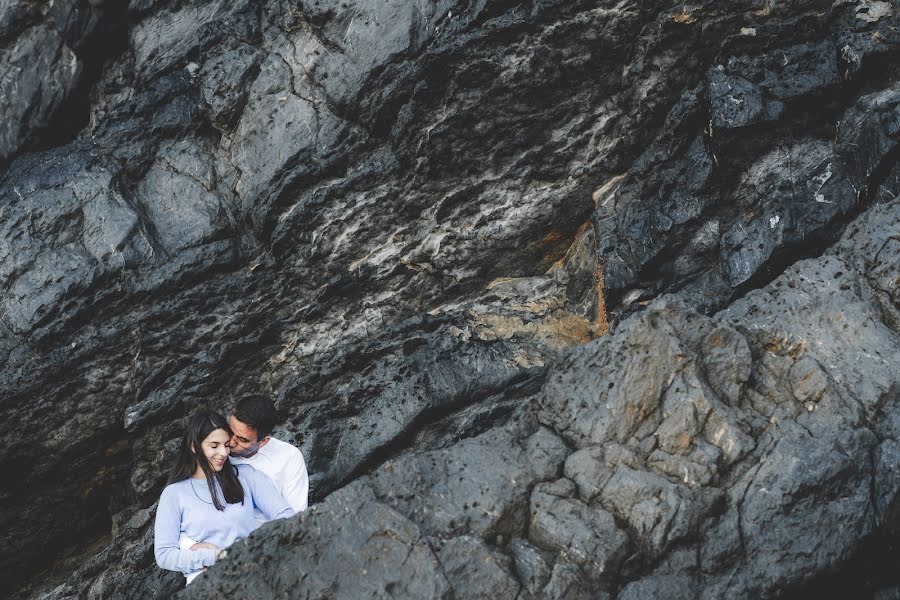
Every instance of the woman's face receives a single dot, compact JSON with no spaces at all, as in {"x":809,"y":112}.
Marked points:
{"x":215,"y":448}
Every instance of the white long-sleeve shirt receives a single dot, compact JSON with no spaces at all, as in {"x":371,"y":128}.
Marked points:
{"x":284,"y":465}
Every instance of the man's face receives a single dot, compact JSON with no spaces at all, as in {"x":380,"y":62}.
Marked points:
{"x":243,"y":439}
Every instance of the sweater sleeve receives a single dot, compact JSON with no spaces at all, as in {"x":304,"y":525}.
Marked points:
{"x":296,"y":482}
{"x":167,"y":530}
{"x":266,"y":496}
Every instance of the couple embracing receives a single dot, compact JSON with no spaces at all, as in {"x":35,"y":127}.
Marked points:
{"x":229,"y":478}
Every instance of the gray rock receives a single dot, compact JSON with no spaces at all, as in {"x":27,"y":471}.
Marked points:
{"x":225,"y":81}
{"x":792,"y":71}
{"x":588,"y":469}
{"x":676,"y":577}
{"x":344,"y":44}
{"x":40,"y":67}
{"x":92,"y":232}
{"x":531,"y":568}
{"x":349,"y":546}
{"x":179,"y":196}
{"x":281,"y":128}
{"x":163,"y":40}
{"x":406,"y":222}
{"x":887,"y":594}
{"x":479,"y":486}
{"x":659,"y":512}
{"x":736,"y":102}
{"x":567,"y":583}
{"x":808,"y":186}
{"x":473,"y":571}
{"x":584,"y":535}
{"x":868,"y":132}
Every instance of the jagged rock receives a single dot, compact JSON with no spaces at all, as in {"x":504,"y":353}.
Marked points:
{"x":394,"y":218}
{"x":566,"y":583}
{"x":225,"y":82}
{"x":812,"y":183}
{"x":677,"y":577}
{"x":40,"y":46}
{"x":130,"y":551}
{"x":350,"y":546}
{"x":779,"y":464}
{"x":28,"y":100}
{"x":164,"y":39}
{"x":474,"y":571}
{"x":583,"y":535}
{"x":531,"y":568}
{"x":178,"y":196}
{"x":478,"y":486}
{"x":786,"y":196}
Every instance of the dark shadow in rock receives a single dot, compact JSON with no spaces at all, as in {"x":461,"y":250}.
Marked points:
{"x":871,"y":571}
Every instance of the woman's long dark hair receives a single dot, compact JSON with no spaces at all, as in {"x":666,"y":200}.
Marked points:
{"x":201,"y":425}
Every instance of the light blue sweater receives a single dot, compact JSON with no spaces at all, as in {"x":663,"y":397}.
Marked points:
{"x":186,"y":507}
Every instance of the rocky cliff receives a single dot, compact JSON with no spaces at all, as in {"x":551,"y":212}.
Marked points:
{"x":561,"y":299}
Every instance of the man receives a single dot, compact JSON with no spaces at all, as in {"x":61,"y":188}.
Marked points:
{"x":251,"y":422}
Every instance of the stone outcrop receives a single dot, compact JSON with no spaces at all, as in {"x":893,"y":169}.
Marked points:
{"x":407,"y":221}
{"x":729,"y":456}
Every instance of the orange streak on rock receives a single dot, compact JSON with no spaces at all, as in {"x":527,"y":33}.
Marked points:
{"x":602,"y":322}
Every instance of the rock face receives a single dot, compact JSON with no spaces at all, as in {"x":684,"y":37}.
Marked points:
{"x":687,"y":456}
{"x":407,"y":221}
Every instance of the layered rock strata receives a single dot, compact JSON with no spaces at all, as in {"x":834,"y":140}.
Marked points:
{"x":396,"y":218}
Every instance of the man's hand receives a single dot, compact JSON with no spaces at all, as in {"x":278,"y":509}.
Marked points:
{"x":206,"y":545}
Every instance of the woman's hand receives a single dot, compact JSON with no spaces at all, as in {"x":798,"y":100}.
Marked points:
{"x":208,"y":546}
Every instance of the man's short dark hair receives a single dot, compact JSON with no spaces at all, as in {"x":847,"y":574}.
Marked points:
{"x":258,"y":412}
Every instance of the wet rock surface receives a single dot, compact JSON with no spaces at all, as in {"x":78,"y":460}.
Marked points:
{"x":407,"y":221}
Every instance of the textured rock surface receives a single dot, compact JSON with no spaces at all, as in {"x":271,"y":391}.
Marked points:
{"x":729,"y":456}
{"x":396,"y":218}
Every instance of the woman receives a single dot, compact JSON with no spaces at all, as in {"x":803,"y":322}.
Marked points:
{"x":209,"y":499}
